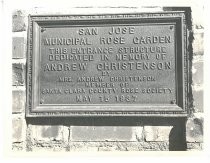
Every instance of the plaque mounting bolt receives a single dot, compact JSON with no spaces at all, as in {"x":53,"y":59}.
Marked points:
{"x":173,"y":101}
{"x":43,"y":29}
{"x":41,"y":101}
{"x":171,"y":27}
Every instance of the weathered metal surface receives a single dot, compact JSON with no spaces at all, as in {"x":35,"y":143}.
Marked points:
{"x":127,"y":64}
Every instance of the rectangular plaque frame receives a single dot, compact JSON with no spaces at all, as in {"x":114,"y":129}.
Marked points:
{"x":177,"y":108}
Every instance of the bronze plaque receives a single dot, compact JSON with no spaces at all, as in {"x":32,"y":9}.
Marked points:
{"x":107,"y":65}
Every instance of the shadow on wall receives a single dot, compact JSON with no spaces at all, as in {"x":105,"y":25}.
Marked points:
{"x":177,"y":136}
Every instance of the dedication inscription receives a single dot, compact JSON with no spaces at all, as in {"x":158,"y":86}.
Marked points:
{"x":127,"y":64}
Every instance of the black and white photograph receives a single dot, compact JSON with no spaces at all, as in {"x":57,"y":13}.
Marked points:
{"x":115,"y":77}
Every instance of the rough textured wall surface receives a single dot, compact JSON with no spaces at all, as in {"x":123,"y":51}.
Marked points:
{"x":104,"y":134}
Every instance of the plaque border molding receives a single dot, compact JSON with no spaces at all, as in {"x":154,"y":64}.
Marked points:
{"x":79,"y":110}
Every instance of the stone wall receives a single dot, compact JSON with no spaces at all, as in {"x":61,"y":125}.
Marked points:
{"x":105,"y":133}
